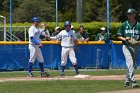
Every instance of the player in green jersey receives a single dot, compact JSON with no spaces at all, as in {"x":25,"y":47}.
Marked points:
{"x":130,"y":29}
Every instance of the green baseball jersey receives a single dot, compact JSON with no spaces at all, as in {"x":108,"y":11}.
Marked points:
{"x":101,"y":36}
{"x":127,"y":30}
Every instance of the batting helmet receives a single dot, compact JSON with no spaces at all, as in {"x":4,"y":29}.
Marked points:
{"x":67,"y":23}
{"x":36,"y":19}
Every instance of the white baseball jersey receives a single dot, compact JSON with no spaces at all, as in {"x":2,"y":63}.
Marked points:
{"x":67,"y":38}
{"x":35,"y":51}
{"x":34,"y":32}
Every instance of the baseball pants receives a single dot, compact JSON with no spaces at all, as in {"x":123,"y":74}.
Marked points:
{"x":64,"y":54}
{"x":130,"y":53}
{"x":35,"y":52}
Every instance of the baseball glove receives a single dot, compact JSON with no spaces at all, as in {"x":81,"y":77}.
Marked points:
{"x":133,"y":41}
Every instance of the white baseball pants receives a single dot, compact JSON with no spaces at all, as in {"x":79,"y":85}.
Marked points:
{"x":64,"y":54}
{"x":35,"y":52}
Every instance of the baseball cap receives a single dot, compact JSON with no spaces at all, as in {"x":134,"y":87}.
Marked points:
{"x":57,"y":28}
{"x":67,"y":23}
{"x":131,"y":11}
{"x":36,"y":19}
{"x":102,"y":29}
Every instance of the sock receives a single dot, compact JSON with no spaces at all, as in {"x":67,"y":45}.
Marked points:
{"x":63,"y":69}
{"x":41,"y":67}
{"x":76,"y":68}
{"x":30,"y":67}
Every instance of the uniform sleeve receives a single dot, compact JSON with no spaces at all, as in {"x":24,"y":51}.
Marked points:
{"x":121,"y":30}
{"x":59,"y":36}
{"x":31,"y":32}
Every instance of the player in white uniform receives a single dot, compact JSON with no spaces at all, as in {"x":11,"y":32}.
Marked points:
{"x":68,"y":39}
{"x":34,"y":48}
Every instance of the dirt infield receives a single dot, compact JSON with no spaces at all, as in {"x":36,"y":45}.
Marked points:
{"x":78,"y":77}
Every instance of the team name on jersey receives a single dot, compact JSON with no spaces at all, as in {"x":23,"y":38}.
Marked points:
{"x":132,"y":31}
{"x":64,"y":36}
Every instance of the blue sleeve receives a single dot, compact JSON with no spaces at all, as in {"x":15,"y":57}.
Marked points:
{"x":35,"y":40}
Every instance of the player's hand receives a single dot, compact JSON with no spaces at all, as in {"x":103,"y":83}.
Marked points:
{"x":40,"y":45}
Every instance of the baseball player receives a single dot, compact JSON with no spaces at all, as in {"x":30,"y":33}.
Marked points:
{"x":34,"y":48}
{"x":68,"y":39}
{"x":130,"y":29}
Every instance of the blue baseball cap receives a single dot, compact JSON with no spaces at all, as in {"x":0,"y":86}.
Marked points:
{"x":67,"y":23}
{"x":36,"y":19}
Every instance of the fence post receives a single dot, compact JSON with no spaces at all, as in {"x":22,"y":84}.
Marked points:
{"x":25,"y":33}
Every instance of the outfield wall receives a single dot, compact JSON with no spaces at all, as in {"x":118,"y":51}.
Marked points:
{"x":15,"y":55}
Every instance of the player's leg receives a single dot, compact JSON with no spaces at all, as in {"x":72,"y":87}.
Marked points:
{"x":64,"y":55}
{"x":73,"y":60}
{"x":32,"y":51}
{"x":41,"y":63}
{"x":129,"y":62}
{"x":134,"y":56}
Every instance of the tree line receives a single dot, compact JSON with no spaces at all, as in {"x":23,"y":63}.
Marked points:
{"x":93,"y":10}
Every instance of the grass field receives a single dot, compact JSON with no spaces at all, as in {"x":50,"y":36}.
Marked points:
{"x":63,"y":86}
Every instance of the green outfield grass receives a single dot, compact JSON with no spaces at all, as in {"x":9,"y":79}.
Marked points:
{"x":68,"y":86}
{"x":65,"y":86}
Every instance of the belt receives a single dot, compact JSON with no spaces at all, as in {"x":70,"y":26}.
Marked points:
{"x":67,"y":46}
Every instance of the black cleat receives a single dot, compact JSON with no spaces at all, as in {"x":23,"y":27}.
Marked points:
{"x":77,"y":73}
{"x":62,"y":75}
{"x":127,"y":83}
{"x":44,"y":74}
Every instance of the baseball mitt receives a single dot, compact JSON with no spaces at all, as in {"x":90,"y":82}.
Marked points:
{"x":133,"y":41}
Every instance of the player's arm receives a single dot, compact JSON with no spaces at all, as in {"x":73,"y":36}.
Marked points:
{"x":59,"y":36}
{"x":120,"y":35}
{"x":35,"y":40}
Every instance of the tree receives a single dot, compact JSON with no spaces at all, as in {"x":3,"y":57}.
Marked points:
{"x":30,"y":8}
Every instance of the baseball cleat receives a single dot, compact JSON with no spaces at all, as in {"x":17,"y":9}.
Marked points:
{"x":62,"y":75}
{"x":127,"y":83}
{"x":77,"y":73}
{"x":134,"y":84}
{"x":30,"y":75}
{"x":44,"y":74}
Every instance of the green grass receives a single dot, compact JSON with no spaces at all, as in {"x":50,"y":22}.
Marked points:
{"x":68,"y":73}
{"x":65,"y":86}
{"x":60,"y":86}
